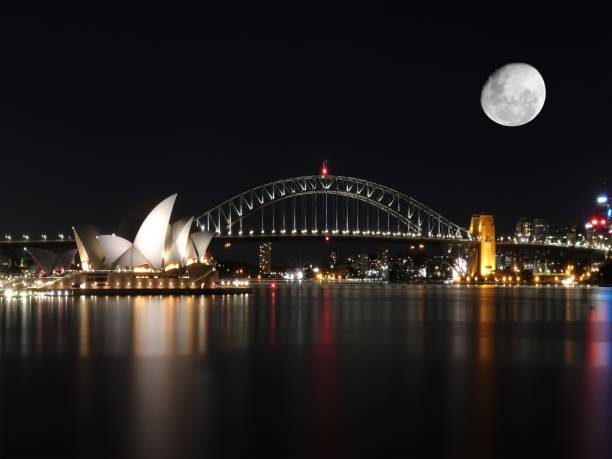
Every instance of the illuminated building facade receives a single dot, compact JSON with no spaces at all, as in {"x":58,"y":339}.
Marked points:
{"x":565,"y":234}
{"x":333,"y":260}
{"x":265,"y":258}
{"x":524,"y":230}
{"x":363,"y":264}
{"x":598,"y":227}
{"x":540,"y":230}
{"x":382,"y":260}
{"x":163,"y":256}
{"x":158,"y":246}
{"x":531,"y":230}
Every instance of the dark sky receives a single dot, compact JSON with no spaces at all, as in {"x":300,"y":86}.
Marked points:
{"x":103,"y":113}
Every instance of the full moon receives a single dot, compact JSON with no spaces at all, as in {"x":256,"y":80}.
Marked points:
{"x":513,"y":95}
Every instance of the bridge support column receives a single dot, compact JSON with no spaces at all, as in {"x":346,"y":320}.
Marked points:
{"x":482,"y":256}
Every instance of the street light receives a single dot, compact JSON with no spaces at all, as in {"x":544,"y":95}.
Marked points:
{"x":61,"y":236}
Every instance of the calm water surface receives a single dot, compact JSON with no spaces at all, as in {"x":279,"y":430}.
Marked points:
{"x":310,"y":371}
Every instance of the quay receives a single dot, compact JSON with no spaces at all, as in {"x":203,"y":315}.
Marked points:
{"x":233,"y":290}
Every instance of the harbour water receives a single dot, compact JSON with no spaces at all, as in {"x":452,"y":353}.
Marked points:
{"x":308,"y":370}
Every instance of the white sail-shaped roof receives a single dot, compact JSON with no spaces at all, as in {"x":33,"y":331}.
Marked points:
{"x":113,"y":247}
{"x":168,"y":244}
{"x":200,"y":240}
{"x":177,"y":249}
{"x":49,"y":260}
{"x":46,"y":259}
{"x":181,"y":236}
{"x":151,"y":237}
{"x":88,"y":246}
{"x":66,"y":259}
{"x":131,"y":258}
{"x":190,"y":253}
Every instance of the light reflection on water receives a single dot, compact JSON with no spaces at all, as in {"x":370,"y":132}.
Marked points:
{"x":339,"y":369}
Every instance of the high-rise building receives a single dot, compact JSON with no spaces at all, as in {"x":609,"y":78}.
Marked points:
{"x":571,"y":233}
{"x":524,"y":230}
{"x":599,"y":228}
{"x":531,"y":230}
{"x":383,"y":260}
{"x":363,"y":264}
{"x":504,"y":261}
{"x":382,"y":264}
{"x":333,"y":260}
{"x":265,"y":258}
{"x":540,"y":230}
{"x":563,"y":234}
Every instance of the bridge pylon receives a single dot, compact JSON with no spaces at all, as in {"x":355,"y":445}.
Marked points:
{"x":482,"y":256}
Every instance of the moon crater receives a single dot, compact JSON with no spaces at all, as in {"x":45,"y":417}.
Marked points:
{"x":513,"y":95}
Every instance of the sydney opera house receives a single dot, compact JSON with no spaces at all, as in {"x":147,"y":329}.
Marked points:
{"x":163,"y":255}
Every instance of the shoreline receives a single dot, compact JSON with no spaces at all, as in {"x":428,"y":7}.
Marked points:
{"x":207,"y":291}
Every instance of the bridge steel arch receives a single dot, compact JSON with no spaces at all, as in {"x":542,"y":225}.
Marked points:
{"x":413,"y":218}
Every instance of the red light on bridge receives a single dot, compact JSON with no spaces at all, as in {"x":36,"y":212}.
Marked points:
{"x":273,"y":285}
{"x":326,"y":238}
{"x":324,"y":169}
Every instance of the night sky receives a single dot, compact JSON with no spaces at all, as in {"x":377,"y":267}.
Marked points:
{"x":101,"y":114}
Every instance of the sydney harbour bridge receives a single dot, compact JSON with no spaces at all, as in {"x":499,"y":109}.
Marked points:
{"x":329,"y":205}
{"x":340,"y":207}
{"x":324,"y":205}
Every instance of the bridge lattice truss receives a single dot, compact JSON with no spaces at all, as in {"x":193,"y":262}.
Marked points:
{"x":311,"y":205}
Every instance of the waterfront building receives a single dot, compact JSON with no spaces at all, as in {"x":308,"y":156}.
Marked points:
{"x":158,"y":245}
{"x":504,"y":260}
{"x":265,"y":258}
{"x":162,"y":256}
{"x":363,"y":264}
{"x":383,"y":260}
{"x":49,"y":261}
{"x":333,"y":260}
